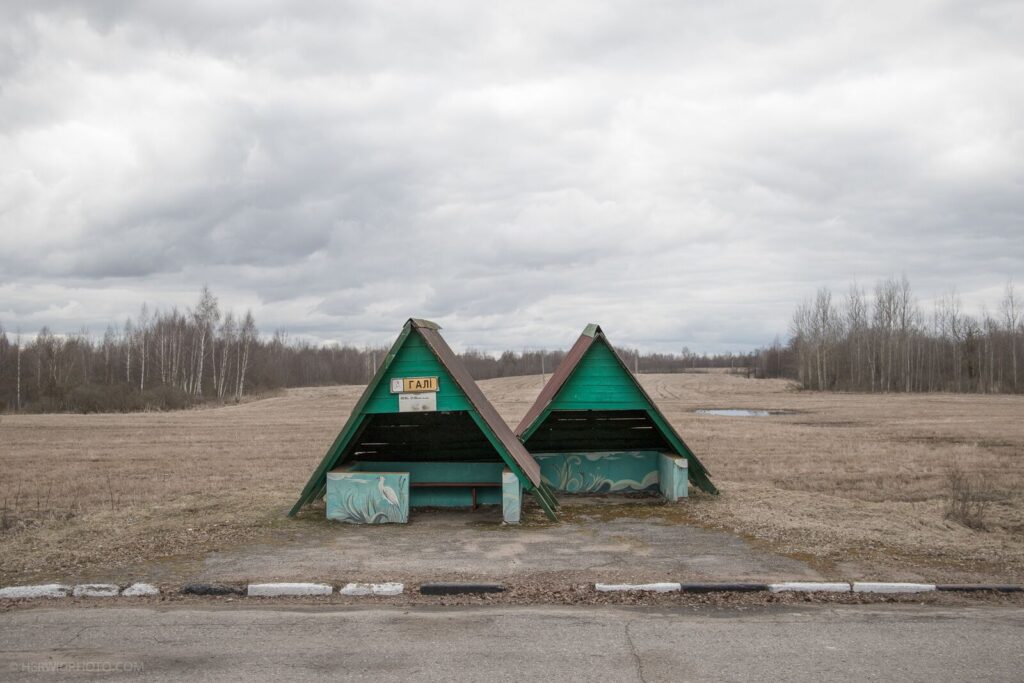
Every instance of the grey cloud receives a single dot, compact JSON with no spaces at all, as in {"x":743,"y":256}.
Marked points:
{"x":682,"y":173}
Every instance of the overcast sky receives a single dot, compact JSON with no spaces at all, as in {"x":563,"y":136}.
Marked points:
{"x":682,"y":173}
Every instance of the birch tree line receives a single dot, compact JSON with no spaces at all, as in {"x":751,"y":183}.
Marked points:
{"x":162,"y":360}
{"x":882,"y":341}
{"x":159,"y":360}
{"x":886,"y":342}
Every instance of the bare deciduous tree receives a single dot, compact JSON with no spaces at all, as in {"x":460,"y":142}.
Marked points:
{"x":246,"y":336}
{"x":884,"y":345}
{"x":1011,"y":314}
{"x":205,"y":317}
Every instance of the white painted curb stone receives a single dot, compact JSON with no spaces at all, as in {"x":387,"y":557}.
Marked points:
{"x":808,"y":587}
{"x":650,"y":587}
{"x":868,"y":587}
{"x":138,"y":590}
{"x":48,"y":590}
{"x":372,"y":588}
{"x":96,"y":590}
{"x":265,"y":590}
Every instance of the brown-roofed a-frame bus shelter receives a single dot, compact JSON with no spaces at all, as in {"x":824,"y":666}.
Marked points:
{"x":594,"y":428}
{"x":423,"y":434}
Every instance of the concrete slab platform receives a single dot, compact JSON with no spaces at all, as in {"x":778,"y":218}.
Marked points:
{"x":597,"y":541}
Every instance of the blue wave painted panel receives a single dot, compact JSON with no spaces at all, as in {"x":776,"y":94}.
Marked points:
{"x":368,"y":497}
{"x":600,"y":472}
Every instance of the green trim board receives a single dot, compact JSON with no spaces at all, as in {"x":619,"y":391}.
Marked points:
{"x":592,"y":395}
{"x":419,"y":351}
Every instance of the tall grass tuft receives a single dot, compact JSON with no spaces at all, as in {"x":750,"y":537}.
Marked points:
{"x":969,"y":498}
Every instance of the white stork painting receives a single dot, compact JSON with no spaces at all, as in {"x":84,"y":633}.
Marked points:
{"x":370,"y":498}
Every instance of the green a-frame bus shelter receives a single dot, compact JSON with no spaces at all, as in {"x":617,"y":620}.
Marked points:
{"x":593,"y":429}
{"x":423,"y":434}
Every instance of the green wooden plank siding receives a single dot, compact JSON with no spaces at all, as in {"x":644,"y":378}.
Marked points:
{"x":599,"y":383}
{"x":415,"y":359}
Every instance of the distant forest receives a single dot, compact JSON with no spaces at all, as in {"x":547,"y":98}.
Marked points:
{"x":176,"y":359}
{"x":887,"y":343}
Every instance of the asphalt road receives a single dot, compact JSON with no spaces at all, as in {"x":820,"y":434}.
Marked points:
{"x":867,"y":642}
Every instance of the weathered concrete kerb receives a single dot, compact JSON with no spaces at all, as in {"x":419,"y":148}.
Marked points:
{"x":803,"y":587}
{"x":391,"y":588}
{"x":82,"y":590}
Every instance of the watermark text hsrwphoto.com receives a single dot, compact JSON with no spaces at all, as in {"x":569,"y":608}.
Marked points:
{"x":69,"y":666}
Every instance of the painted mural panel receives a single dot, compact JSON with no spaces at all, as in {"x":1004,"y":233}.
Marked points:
{"x":600,"y":472}
{"x":368,"y":497}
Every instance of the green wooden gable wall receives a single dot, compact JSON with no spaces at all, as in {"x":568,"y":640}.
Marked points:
{"x":415,"y":359}
{"x":601,"y":382}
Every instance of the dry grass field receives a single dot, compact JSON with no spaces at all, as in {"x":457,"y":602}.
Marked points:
{"x":856,"y":484}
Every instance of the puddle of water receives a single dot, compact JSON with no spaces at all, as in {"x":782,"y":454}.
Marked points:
{"x":736,"y":412}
